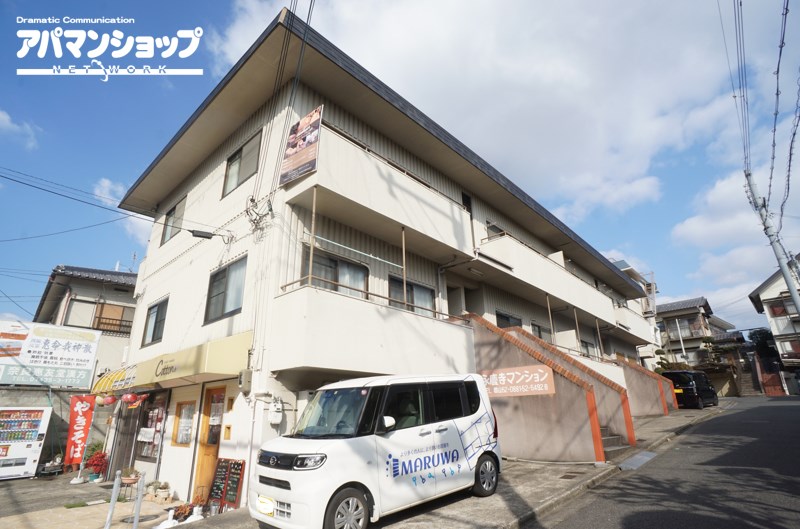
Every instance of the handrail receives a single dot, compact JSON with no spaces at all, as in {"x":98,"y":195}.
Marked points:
{"x":112,"y":325}
{"x":308,"y":281}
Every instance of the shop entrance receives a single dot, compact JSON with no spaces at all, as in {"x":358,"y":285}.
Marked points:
{"x":208,"y":448}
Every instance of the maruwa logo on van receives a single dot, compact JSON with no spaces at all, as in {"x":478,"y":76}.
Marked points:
{"x":402,"y":467}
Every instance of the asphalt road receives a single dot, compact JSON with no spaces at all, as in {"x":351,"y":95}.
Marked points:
{"x":740,"y":469}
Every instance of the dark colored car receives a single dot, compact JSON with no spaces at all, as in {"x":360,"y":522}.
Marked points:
{"x":693,"y":389}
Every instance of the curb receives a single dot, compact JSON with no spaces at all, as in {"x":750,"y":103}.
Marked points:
{"x":551,"y":503}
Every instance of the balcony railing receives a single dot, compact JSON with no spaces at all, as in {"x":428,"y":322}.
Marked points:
{"x":112,"y":325}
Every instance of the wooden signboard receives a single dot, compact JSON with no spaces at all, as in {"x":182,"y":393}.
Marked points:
{"x":227,"y":485}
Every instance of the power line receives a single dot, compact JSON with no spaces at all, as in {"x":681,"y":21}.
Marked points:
{"x":15,"y":303}
{"x":777,"y":74}
{"x":63,"y":231}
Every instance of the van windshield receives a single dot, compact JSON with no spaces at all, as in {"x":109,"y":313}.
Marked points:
{"x":332,"y":414}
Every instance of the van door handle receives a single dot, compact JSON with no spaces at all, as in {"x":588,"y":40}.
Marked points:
{"x":424,"y":432}
{"x":441,"y":429}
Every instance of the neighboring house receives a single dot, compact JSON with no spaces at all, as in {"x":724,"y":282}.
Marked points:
{"x":645,"y":306}
{"x":772,"y":299}
{"x":688,"y":328}
{"x":74,"y":299}
{"x":260,"y":284}
{"x":92,"y":299}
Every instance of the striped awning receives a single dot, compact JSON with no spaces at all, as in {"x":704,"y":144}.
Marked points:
{"x":117,"y":380}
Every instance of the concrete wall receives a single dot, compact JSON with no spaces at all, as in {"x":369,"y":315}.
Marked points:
{"x":649,"y":393}
{"x":613,"y":410}
{"x":559,"y":427}
{"x":55,"y":441}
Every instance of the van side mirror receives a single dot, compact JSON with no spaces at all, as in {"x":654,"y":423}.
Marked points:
{"x":387,"y":424}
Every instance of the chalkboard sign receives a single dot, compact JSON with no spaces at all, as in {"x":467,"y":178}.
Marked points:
{"x":227,"y":484}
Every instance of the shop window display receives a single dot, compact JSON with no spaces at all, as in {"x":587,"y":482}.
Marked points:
{"x":148,"y":439}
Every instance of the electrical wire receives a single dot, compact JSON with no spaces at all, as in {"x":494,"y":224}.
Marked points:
{"x":792,"y":140}
{"x":15,"y":303}
{"x":63,"y":231}
{"x":777,"y":73}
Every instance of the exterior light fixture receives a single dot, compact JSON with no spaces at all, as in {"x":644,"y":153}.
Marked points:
{"x":476,"y":272}
{"x":227,"y":238}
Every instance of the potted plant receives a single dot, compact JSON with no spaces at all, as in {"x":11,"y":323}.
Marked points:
{"x":97,"y":464}
{"x":130,"y":475}
{"x":163,"y":490}
{"x":152,"y":487}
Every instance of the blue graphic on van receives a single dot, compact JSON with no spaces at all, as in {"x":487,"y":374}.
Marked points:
{"x":401,"y":467}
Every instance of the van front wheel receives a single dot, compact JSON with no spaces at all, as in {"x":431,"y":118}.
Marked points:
{"x":485,"y":476}
{"x":347,"y":510}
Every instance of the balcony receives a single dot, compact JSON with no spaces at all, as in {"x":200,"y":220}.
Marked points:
{"x":633,"y":323}
{"x":112,"y":325}
{"x":507,"y":254}
{"x":358,"y":188}
{"x":326,"y":333}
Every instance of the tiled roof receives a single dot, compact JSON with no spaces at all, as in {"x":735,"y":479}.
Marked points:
{"x":694,"y":303}
{"x":94,"y":274}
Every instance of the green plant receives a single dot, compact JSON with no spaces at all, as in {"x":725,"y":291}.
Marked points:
{"x":75,"y":505}
{"x":164,"y":485}
{"x":93,"y":447}
{"x":129,"y":472}
{"x":155,"y":484}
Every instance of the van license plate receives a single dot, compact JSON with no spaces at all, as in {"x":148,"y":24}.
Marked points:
{"x":678,"y":390}
{"x":266,"y":506}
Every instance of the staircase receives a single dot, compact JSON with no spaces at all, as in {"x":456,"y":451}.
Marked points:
{"x":613,"y":445}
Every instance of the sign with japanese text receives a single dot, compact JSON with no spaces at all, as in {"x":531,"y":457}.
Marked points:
{"x":81,"y":408}
{"x":47,"y":355}
{"x":302,"y":147}
{"x":519,"y":381}
{"x":103,"y":46}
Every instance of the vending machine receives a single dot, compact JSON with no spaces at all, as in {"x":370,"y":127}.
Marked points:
{"x":22,"y":433}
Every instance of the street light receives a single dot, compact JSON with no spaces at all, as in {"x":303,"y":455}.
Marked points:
{"x":200,"y":234}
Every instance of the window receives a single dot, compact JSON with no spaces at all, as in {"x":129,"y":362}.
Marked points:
{"x":242,"y":165}
{"x":148,"y":439}
{"x":404,"y":404}
{"x":784,"y":308}
{"x":225,"y":291}
{"x":336,"y":274}
{"x":182,"y":426}
{"x":587,"y":348}
{"x":493,"y":229}
{"x":173,"y":220}
{"x":466,"y":201}
{"x":504,"y":320}
{"x":418,"y":297}
{"x":154,"y":325}
{"x":542,"y":332}
{"x":446,"y":401}
{"x":473,"y":396}
{"x":113,"y":318}
{"x":80,"y":313}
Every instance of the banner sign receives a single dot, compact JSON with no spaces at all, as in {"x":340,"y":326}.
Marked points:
{"x":81,"y":408}
{"x":47,"y":355}
{"x":302,"y":147}
{"x":519,"y":381}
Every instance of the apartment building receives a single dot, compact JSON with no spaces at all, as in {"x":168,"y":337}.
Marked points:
{"x":311,"y":225}
{"x":772,"y":299}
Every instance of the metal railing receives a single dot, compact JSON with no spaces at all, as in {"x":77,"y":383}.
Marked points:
{"x":113,"y":325}
{"x":314,"y":282}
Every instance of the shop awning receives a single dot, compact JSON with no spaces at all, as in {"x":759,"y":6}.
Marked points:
{"x":117,"y":380}
{"x":213,"y":360}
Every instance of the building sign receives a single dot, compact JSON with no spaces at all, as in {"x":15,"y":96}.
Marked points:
{"x":520,"y":381}
{"x":302,"y":147}
{"x":81,"y":408}
{"x":47,"y":355}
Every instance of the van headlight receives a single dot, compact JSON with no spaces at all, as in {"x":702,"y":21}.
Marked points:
{"x":309,"y":461}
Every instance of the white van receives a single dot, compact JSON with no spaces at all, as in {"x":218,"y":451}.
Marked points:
{"x":368,"y":447}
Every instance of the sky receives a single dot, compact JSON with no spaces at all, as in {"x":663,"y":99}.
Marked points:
{"x":617,"y":116}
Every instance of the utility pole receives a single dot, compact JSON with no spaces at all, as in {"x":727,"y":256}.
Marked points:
{"x":760,"y":206}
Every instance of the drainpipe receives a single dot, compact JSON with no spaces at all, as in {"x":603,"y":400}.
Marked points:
{"x":680,"y":337}
{"x":577,"y":327}
{"x":550,"y":317}
{"x":403,"y":241}
{"x":313,"y":233}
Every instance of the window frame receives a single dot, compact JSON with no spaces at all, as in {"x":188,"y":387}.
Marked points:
{"x":538,"y":330}
{"x":225,"y":269}
{"x":237,"y":155}
{"x":173,"y":221}
{"x":179,"y":407}
{"x":414,"y":307}
{"x":335,"y":284}
{"x":498,"y":313}
{"x":163,"y":304}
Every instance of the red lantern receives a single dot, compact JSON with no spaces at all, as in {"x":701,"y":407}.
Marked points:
{"x":100,"y":400}
{"x":143,"y":396}
{"x":129,"y":397}
{"x":109,"y":400}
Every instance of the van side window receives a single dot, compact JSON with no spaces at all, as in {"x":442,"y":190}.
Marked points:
{"x":446,"y":401}
{"x":370,"y":415}
{"x":473,"y":396}
{"x":404,"y":403}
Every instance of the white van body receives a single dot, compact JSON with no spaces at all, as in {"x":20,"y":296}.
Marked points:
{"x":368,"y":447}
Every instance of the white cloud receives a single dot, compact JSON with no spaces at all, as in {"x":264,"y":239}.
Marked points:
{"x":22,"y":132}
{"x":110,"y":193}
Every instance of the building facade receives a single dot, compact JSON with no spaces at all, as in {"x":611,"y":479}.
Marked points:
{"x":688,"y":330}
{"x":772,"y":299}
{"x":311,"y":231}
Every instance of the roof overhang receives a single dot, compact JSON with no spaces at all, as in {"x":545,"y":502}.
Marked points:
{"x":327,"y":70}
